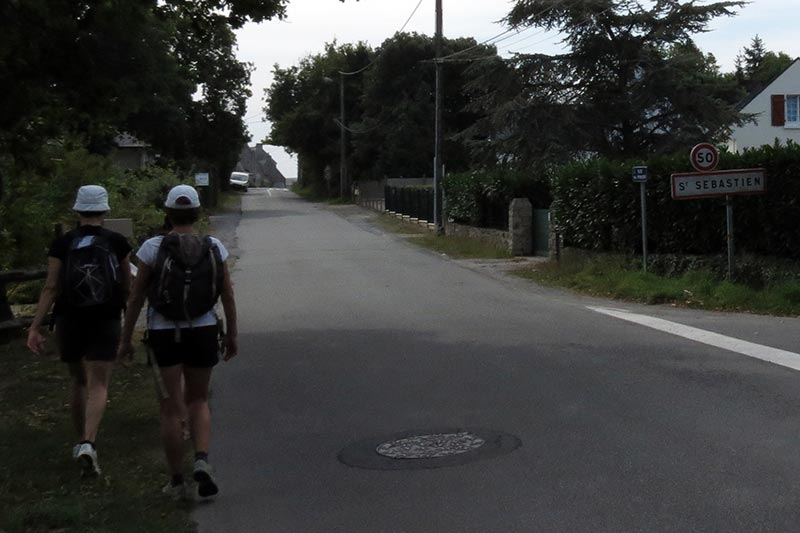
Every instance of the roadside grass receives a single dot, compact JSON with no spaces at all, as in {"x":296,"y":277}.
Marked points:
{"x":40,"y":484}
{"x":455,"y":246}
{"x":229,"y":202}
{"x":312,"y":193}
{"x":612,"y":276}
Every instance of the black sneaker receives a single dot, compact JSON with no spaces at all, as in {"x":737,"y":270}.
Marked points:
{"x":206,"y":487}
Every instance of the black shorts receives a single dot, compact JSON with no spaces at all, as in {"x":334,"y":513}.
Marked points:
{"x":89,"y":339}
{"x":198,"y":347}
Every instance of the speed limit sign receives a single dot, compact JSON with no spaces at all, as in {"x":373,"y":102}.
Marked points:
{"x":704,"y":157}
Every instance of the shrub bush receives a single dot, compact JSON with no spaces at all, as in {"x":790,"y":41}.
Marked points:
{"x":481,"y":198}
{"x":34,"y":201}
{"x":596,"y":206}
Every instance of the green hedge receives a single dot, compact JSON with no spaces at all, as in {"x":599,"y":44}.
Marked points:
{"x":33,"y":201}
{"x":596,"y":206}
{"x":482,"y":198}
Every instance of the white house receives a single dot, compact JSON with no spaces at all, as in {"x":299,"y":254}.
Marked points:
{"x":776,"y":111}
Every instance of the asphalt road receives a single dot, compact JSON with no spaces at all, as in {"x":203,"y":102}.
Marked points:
{"x":350,"y":334}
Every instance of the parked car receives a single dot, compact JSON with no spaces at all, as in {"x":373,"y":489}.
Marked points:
{"x":239,"y":181}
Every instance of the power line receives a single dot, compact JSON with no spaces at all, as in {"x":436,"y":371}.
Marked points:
{"x":510,"y":33}
{"x":559,"y":33}
{"x":372,"y":61}
{"x":450,"y":59}
{"x":357,"y":132}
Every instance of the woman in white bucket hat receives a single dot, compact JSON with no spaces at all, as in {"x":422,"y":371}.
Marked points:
{"x":88,"y":278}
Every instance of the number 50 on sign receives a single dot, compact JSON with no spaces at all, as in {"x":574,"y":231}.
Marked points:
{"x":704,"y":157}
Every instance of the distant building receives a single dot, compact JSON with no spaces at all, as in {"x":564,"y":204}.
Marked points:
{"x":130,"y":153}
{"x":262,"y":168}
{"x":776,"y":113}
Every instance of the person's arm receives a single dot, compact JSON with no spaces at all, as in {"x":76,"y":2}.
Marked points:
{"x":46,"y":298}
{"x":229,"y":307}
{"x":135,"y":303}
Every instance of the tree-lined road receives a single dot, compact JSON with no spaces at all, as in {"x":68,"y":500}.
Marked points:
{"x":349,"y":333}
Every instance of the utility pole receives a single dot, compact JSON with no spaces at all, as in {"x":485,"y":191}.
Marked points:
{"x":343,"y":141}
{"x":438,"y":163}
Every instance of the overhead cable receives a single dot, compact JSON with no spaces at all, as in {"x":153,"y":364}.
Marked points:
{"x":365,"y":67}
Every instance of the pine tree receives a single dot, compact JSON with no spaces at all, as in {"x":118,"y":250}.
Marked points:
{"x":631,"y":82}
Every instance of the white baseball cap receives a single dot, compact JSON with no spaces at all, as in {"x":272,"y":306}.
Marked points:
{"x":91,"y":199}
{"x":182,"y":197}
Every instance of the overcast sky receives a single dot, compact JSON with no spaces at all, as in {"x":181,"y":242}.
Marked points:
{"x":312,"y":23}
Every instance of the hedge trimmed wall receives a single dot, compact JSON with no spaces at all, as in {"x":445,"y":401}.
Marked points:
{"x":481,"y":198}
{"x":596,"y":206}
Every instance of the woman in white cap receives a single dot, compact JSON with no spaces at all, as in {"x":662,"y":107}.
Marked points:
{"x":182,"y":275}
{"x":88,"y":277}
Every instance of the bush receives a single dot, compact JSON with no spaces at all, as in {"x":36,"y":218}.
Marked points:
{"x":482,"y":198}
{"x":596,"y":206}
{"x":34,"y":200}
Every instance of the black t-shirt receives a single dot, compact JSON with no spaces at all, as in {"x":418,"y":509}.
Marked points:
{"x":60,"y":248}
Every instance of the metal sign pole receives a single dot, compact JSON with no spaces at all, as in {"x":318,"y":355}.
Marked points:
{"x":729,"y":212}
{"x":644,"y":224}
{"x":640,"y":175}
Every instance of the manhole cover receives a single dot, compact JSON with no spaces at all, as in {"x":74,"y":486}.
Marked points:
{"x":428,"y":446}
{"x":439,"y":448}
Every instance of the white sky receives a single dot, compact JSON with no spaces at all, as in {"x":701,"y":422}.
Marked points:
{"x":312,"y":23}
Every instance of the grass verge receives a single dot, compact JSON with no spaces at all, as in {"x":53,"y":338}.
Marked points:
{"x":40,"y":485}
{"x":455,"y":246}
{"x":613,"y":276}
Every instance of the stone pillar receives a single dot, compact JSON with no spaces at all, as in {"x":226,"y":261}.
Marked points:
{"x":520,"y":226}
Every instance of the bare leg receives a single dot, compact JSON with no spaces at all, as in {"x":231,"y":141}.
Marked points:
{"x":98,"y":375}
{"x":78,"y":397}
{"x":197,"y":380}
{"x":171,"y":411}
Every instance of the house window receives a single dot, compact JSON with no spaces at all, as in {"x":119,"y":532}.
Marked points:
{"x":793,"y":110}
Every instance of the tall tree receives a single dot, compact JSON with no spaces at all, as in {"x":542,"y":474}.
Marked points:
{"x":631,"y":82}
{"x":399,"y":108}
{"x":756,"y":67}
{"x":389,"y":107}
{"x":92,"y":68}
{"x":303,"y":105}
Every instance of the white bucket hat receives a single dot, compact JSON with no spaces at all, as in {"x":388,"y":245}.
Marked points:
{"x":182,"y":197}
{"x":91,"y":199}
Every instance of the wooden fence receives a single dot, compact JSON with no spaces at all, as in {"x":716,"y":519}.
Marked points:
{"x":8,"y":322}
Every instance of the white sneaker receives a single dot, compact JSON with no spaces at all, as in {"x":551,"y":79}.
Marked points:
{"x":201,"y":473}
{"x":175,"y":492}
{"x":75,"y":450}
{"x":87,"y":456}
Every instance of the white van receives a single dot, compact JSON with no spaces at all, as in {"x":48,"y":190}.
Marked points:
{"x":239,"y":181}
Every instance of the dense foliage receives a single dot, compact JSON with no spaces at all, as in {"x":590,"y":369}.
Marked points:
{"x":28,"y":226}
{"x":631,"y":83}
{"x":165,"y":72}
{"x":389,"y":108}
{"x":76,"y":73}
{"x":482,"y":198}
{"x":596,"y":206}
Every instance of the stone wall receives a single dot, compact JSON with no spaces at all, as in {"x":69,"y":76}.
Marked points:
{"x":495,"y":237}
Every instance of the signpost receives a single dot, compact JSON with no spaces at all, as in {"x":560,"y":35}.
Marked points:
{"x":201,"y":179}
{"x":721,"y":183}
{"x":704,"y":157}
{"x":640,"y":176}
{"x":708,"y":184}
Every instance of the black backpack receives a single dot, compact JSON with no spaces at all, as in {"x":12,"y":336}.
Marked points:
{"x":91,"y":273}
{"x":188,"y":277}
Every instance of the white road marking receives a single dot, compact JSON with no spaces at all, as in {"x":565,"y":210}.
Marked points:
{"x":750,"y":349}
{"x":269,"y":192}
